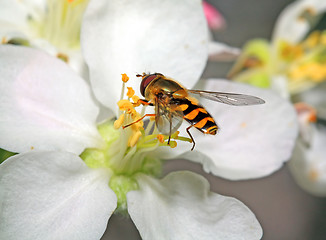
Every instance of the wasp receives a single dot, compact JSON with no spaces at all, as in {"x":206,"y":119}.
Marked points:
{"x":173,"y":103}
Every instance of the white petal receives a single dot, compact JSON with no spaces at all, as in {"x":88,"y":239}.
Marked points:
{"x":18,"y":16}
{"x":279,"y":84}
{"x":253,"y":141}
{"x":74,"y":55}
{"x":121,"y":36}
{"x":222,"y":52}
{"x":290,"y":26}
{"x":53,"y":195}
{"x":44,"y":104}
{"x":14,"y":12}
{"x":316,"y":97}
{"x":308,"y":164}
{"x":181,"y":207}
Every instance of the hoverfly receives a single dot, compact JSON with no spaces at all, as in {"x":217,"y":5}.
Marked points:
{"x":173,"y":104}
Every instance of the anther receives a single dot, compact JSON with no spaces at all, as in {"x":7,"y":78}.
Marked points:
{"x":125,"y":78}
{"x":134,"y":138}
{"x":117,"y":123}
{"x":131,"y":92}
{"x":160,"y":138}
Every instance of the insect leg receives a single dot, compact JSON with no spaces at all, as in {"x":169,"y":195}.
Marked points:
{"x":170,"y":131}
{"x":192,"y":139}
{"x":146,"y":115}
{"x":145,"y":102}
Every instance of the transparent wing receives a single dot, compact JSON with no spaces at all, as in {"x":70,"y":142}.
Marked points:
{"x":229,"y":98}
{"x":167,"y":119}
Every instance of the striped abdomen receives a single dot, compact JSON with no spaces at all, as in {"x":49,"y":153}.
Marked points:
{"x":197,"y":116}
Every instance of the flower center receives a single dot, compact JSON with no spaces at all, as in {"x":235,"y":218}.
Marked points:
{"x":130,"y":146}
{"x":307,"y":60}
{"x":61,"y":22}
{"x":303,"y":63}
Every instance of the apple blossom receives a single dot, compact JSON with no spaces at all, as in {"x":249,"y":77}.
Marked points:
{"x":51,"y":25}
{"x":294,"y":65}
{"x":72,"y":173}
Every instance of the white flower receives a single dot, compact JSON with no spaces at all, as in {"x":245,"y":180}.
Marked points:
{"x":49,"y":118}
{"x":292,"y":65}
{"x":51,"y":25}
{"x":292,"y":62}
{"x":308,"y":164}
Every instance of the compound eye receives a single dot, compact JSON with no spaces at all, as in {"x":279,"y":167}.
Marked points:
{"x":144,"y":83}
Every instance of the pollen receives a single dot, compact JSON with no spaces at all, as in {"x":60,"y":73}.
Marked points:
{"x":312,"y":70}
{"x":131,"y":92}
{"x":134,"y":138}
{"x":125,"y":78}
{"x":63,"y":57}
{"x":173,"y":144}
{"x":118,"y":123}
{"x":160,"y":137}
{"x":125,"y":105}
{"x":312,"y":40}
{"x":136,"y":101}
{"x":290,"y":52}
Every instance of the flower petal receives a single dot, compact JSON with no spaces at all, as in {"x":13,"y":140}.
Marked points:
{"x":253,"y":141}
{"x":295,"y":20}
{"x":308,"y":164}
{"x":133,"y":37}
{"x":44,"y":104}
{"x":14,"y":12}
{"x":53,"y":195}
{"x":214,"y":18}
{"x":181,"y":207}
{"x":222,"y":52}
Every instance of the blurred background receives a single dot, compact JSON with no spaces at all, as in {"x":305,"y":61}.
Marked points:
{"x":284,"y":210}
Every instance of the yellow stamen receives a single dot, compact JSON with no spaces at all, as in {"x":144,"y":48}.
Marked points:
{"x":312,"y":71}
{"x":131,"y":92}
{"x":136,"y":101}
{"x":118,"y":123}
{"x":134,"y":138}
{"x":175,"y":135}
{"x":125,"y":105}
{"x":173,"y":144}
{"x":63,"y":57}
{"x":290,"y":52}
{"x":312,"y":40}
{"x":160,"y":137}
{"x":125,"y":78}
{"x":3,"y":40}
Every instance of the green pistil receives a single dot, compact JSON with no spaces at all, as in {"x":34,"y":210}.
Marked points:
{"x":121,"y":185}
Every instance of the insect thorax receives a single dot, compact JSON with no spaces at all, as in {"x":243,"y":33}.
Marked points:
{"x":165,"y":87}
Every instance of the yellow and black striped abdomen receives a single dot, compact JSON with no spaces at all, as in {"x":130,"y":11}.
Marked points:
{"x":197,"y":116}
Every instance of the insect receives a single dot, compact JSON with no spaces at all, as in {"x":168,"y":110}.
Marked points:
{"x":173,"y":104}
